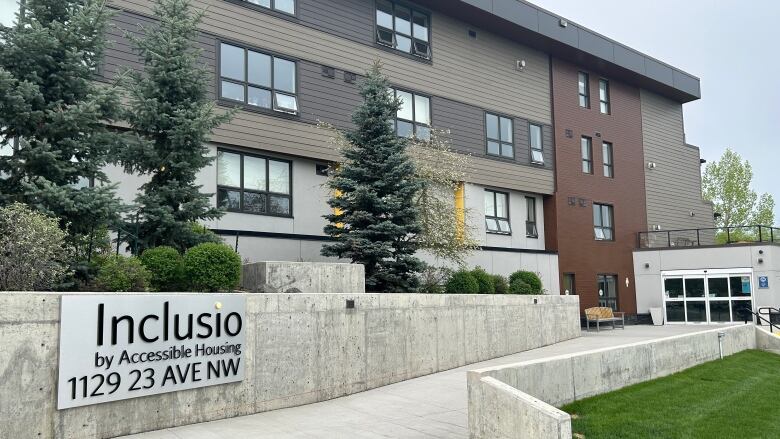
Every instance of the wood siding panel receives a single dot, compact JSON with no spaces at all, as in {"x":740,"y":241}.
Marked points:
{"x":674,"y":186}
{"x":478,"y":71}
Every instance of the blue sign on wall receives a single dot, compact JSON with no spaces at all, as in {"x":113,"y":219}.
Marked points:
{"x":763,"y":282}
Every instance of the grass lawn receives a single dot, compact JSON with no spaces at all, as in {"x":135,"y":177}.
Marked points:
{"x":737,"y":397}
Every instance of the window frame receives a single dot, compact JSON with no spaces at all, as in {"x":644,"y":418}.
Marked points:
{"x":530,"y":208}
{"x":604,"y":101}
{"x":246,"y":83}
{"x":495,"y":213}
{"x":586,"y":94}
{"x":531,"y":144}
{"x":393,"y":48}
{"x":589,"y":159}
{"x":272,"y":10}
{"x":606,"y":299}
{"x":267,"y":192}
{"x":501,"y":143}
{"x":608,"y":159}
{"x":601,"y":226}
{"x":414,"y":123}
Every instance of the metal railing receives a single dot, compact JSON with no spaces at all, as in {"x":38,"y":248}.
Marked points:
{"x":708,"y":236}
{"x":765,"y":315}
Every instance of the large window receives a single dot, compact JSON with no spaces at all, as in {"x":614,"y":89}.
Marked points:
{"x":713,"y":296}
{"x":586,"y":146}
{"x":499,"y":135}
{"x":497,"y":212}
{"x":537,"y":148}
{"x":603,"y":222}
{"x":531,"y":230}
{"x":607,"y":284}
{"x":405,"y":29}
{"x":604,"y":96}
{"x":584,"y":89}
{"x":609,"y":166}
{"x":254,"y":184}
{"x":286,"y":6}
{"x":414,"y":117}
{"x":257,"y":79}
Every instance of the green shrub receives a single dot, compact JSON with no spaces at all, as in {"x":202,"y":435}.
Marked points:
{"x":517,"y":286}
{"x":212,"y":267}
{"x":484,"y":280}
{"x":500,"y":284}
{"x":122,"y":273}
{"x":530,"y":278}
{"x":462,"y":282}
{"x":33,"y":251}
{"x":166,"y":267}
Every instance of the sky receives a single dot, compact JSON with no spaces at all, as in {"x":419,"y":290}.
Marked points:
{"x":732,"y":46}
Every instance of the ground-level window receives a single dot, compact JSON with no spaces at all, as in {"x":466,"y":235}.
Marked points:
{"x":708,"y":297}
{"x":531,"y":230}
{"x":413,"y":118}
{"x":569,"y":283}
{"x":607,"y":287}
{"x":603,"y":226}
{"x":254,"y":184}
{"x":497,"y":212}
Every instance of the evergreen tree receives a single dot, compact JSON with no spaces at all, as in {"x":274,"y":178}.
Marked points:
{"x":375,"y":219}
{"x":54,"y":135}
{"x":170,"y":110}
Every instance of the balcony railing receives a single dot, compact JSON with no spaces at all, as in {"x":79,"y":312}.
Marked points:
{"x":708,"y":237}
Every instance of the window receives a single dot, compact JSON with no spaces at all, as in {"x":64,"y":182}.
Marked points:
{"x":584,"y":91}
{"x":257,"y":79}
{"x":607,"y":284}
{"x":414,"y":117}
{"x":586,"y":145}
{"x":403,"y":28}
{"x":603,"y":222}
{"x":569,"y":283}
{"x":530,"y":222}
{"x":254,"y":184}
{"x":499,"y":135}
{"x":537,"y":150}
{"x":609,"y":167}
{"x":604,"y":95}
{"x":497,"y":212}
{"x":286,"y":6}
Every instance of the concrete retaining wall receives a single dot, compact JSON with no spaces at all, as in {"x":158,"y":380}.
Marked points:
{"x":537,"y":387}
{"x":304,"y":277}
{"x":300,"y":349}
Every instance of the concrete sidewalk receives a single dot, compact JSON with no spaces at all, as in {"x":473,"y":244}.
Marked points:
{"x":433,"y":406}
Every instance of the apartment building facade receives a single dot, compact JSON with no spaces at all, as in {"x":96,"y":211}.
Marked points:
{"x":576,"y":141}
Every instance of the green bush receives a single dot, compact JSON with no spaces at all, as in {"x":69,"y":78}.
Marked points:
{"x":462,"y":282}
{"x":212,"y":267}
{"x":432,"y":279}
{"x":166,"y":267}
{"x":530,"y":278}
{"x":122,"y":273}
{"x":484,"y":280}
{"x":500,"y":284}
{"x":518,"y":286}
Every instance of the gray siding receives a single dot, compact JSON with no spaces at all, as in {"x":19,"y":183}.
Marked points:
{"x":674,"y":186}
{"x":351,"y":19}
{"x":478,"y":71}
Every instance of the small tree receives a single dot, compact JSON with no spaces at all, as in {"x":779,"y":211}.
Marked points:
{"x":375,"y":219}
{"x":727,"y":184}
{"x":54,"y":116}
{"x":171,"y":112}
{"x":33,"y":253}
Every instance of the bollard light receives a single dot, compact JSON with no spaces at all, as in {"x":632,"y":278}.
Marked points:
{"x":721,"y":336}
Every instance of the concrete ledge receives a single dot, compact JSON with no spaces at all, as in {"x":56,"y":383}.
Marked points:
{"x":535,"y":388}
{"x":299,"y":349}
{"x":303,"y":277}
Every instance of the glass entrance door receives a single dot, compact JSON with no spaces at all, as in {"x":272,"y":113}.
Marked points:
{"x":720,"y":297}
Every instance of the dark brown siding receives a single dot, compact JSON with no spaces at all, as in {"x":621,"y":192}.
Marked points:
{"x":579,"y":252}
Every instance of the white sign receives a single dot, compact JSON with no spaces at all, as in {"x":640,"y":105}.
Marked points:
{"x":115,"y":347}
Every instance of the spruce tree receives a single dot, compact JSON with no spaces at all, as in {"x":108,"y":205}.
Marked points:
{"x":375,"y":220}
{"x":171,"y":112}
{"x":53,"y":115}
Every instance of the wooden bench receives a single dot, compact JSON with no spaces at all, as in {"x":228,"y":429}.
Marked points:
{"x":604,"y":314}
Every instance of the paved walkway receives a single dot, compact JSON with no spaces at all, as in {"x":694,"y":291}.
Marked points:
{"x":433,"y":406}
